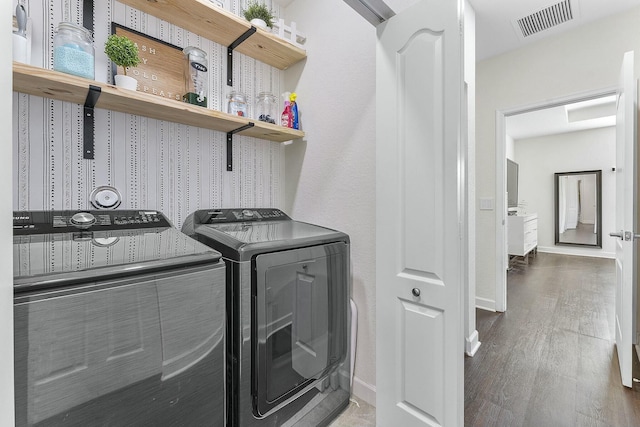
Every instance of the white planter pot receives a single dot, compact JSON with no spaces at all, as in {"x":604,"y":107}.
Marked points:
{"x":256,"y":22}
{"x":126,"y":82}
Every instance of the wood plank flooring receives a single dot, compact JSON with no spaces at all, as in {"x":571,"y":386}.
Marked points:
{"x":550,"y":359}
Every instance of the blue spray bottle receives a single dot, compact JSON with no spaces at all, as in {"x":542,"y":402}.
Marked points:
{"x":294,"y":111}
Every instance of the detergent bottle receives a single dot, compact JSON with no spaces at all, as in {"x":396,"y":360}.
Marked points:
{"x":294,"y":111}
{"x":285,"y":120}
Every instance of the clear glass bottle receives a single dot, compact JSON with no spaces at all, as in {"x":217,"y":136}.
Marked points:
{"x":266,"y":107}
{"x":237,"y":104}
{"x":195,"y":76}
{"x":73,"y":51}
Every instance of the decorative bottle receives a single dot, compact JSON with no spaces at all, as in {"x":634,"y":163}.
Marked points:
{"x":195,"y":76}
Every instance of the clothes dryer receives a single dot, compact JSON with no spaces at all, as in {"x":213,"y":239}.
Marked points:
{"x":288,"y":314}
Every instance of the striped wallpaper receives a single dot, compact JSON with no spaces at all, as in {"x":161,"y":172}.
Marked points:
{"x":155,"y":164}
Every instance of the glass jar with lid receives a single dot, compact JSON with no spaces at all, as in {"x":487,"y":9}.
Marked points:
{"x":237,"y":104}
{"x":73,"y":51}
{"x":266,"y":107}
{"x":195,"y":76}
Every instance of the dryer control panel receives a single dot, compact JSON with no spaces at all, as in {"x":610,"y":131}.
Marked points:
{"x":219,"y":216}
{"x":46,"y":222}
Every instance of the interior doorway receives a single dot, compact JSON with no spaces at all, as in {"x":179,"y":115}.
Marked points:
{"x":502,"y":137}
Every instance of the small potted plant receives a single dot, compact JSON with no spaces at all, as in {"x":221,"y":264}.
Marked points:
{"x":123,"y":52}
{"x":258,"y":14}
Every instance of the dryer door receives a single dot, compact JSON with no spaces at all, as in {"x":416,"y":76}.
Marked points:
{"x":300,"y":320}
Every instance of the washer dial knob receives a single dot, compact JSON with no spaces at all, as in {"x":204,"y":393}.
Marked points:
{"x":83,"y":220}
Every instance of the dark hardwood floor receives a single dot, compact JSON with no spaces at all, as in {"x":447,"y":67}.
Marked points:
{"x":550,"y":359}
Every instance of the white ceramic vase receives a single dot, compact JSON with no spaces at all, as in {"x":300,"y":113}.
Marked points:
{"x":126,"y":82}
{"x":257,"y":22}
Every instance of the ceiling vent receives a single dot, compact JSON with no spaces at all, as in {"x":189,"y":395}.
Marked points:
{"x":546,"y":18}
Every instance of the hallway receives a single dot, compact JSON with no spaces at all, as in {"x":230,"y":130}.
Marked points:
{"x":550,"y":360}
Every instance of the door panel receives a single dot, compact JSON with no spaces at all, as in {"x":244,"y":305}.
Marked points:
{"x":626,"y":213}
{"x":420,"y":79}
{"x":422,"y":359}
{"x":419,"y":166}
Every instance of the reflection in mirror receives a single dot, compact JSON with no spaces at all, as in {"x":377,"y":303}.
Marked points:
{"x":578,"y":208}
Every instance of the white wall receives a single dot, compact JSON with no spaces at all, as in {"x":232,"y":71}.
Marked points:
{"x":511,"y":148}
{"x":539,"y":158}
{"x":330,"y":176}
{"x":6,"y":231}
{"x":580,"y":60}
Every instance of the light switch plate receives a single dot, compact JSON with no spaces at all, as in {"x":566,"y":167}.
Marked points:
{"x":486,"y":204}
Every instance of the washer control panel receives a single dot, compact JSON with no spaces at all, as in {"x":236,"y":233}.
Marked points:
{"x":41,"y":222}
{"x":219,"y":216}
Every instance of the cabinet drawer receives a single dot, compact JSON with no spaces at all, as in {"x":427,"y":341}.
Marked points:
{"x":530,"y":241}
{"x":530,"y":225}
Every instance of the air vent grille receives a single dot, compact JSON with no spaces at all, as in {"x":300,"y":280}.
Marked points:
{"x":546,"y":18}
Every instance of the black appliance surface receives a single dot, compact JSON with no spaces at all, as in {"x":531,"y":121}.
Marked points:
{"x":288,"y":314}
{"x":240,"y":234}
{"x":58,"y":248}
{"x":119,"y":320}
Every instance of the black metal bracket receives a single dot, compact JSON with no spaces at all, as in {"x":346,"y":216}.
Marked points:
{"x":89,"y":123}
{"x":230,"y":144}
{"x":230,"y":49}
{"x":88,"y":144}
{"x":87,"y":15}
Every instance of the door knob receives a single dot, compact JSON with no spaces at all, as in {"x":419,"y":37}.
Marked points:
{"x":619,"y":234}
{"x":415,"y":292}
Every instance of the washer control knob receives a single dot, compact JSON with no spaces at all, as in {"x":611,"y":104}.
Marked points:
{"x":83,"y":220}
{"x":247,"y":213}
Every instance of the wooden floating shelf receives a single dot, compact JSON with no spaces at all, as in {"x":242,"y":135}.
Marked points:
{"x":65,"y":87}
{"x":216,"y":24}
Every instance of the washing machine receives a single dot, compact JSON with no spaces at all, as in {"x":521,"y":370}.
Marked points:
{"x":119,"y":320}
{"x":288,"y":291}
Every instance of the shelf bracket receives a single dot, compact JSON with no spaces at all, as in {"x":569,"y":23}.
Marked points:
{"x":87,"y":15}
{"x":230,"y":49}
{"x":89,"y":123}
{"x":230,"y":144}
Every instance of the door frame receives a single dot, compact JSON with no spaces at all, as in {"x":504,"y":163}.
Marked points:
{"x":501,"y":182}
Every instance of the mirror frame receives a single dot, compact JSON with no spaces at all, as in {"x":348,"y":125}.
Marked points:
{"x":598,"y":174}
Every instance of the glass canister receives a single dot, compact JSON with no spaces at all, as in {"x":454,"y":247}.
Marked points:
{"x":266,"y":107}
{"x":237,"y":104}
{"x":195,"y":76}
{"x":73,"y":51}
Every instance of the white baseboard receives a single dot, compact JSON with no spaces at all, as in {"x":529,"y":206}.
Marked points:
{"x":472,"y":344}
{"x":364,"y":391}
{"x":486,"y":304}
{"x":577,"y":251}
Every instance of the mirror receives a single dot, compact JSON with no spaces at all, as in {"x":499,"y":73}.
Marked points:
{"x":578,"y":208}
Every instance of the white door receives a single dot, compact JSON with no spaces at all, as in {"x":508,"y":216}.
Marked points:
{"x":418,"y":206}
{"x":625,"y":216}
